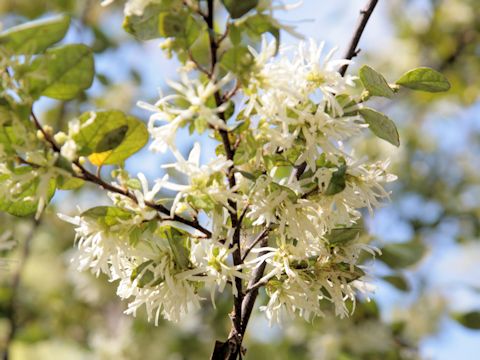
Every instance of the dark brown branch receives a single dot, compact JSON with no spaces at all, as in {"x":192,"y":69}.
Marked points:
{"x":362,"y":23}
{"x":198,"y":65}
{"x":351,"y":52}
{"x":231,"y":349}
{"x":92,"y":178}
{"x":254,"y":243}
{"x":249,"y":299}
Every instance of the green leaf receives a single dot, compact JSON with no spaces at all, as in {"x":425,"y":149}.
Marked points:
{"x":61,"y":73}
{"x":107,"y":215}
{"x":239,"y":61}
{"x":470,"y":320}
{"x":424,"y":79}
{"x":381,"y":125}
{"x":374,"y":82}
{"x":70,"y":183}
{"x":337,"y":182}
{"x":146,"y":26}
{"x":140,"y":269}
{"x":9,"y":139}
{"x":259,"y":24}
{"x":248,"y":175}
{"x":35,"y":36}
{"x":399,"y":282}
{"x":177,"y":240}
{"x":181,"y":25}
{"x":354,"y":274}
{"x":342,"y":236}
{"x":237,"y":8}
{"x":23,"y":205}
{"x":290,"y":193}
{"x":402,"y":255}
{"x":111,"y":137}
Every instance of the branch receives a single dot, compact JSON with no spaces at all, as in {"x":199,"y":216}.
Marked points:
{"x":92,"y":178}
{"x":251,"y":296}
{"x":231,"y":349}
{"x":362,"y":23}
{"x":254,"y":242}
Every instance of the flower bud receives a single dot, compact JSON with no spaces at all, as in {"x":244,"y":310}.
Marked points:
{"x":60,"y":138}
{"x":40,"y":135}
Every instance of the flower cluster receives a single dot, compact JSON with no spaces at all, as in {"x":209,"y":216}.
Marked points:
{"x":291,"y":177}
{"x":313,"y":187}
{"x":155,"y":263}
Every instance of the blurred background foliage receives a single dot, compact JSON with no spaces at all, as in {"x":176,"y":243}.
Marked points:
{"x":428,"y":299}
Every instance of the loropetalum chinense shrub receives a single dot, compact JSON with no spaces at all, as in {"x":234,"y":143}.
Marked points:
{"x":278,"y":207}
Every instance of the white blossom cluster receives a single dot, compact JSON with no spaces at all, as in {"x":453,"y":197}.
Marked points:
{"x":294,"y":177}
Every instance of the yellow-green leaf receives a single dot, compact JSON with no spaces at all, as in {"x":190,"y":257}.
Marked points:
{"x":61,"y":73}
{"x":470,"y":320}
{"x":397,"y":281}
{"x":374,"y":82}
{"x":381,"y":125}
{"x":25,"y":203}
{"x":35,"y":36}
{"x":424,"y":79}
{"x":111,"y":137}
{"x":107,"y":215}
{"x":237,"y":8}
{"x":337,"y":182}
{"x":402,"y":255}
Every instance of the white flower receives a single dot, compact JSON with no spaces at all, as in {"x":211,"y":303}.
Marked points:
{"x":214,"y":266}
{"x":363,"y":189}
{"x":201,"y":178}
{"x":148,"y":271}
{"x":297,"y":99}
{"x":299,"y":276}
{"x":99,"y":250}
{"x":69,"y":150}
{"x":166,"y":291}
{"x":141,"y":207}
{"x":194,"y":94}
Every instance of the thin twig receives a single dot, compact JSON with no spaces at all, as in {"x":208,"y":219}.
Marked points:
{"x":251,"y":296}
{"x":362,"y":23}
{"x":86,"y":175}
{"x":352,"y":51}
{"x":198,"y":65}
{"x":230,"y":349}
{"x":254,"y":243}
{"x":256,"y":286}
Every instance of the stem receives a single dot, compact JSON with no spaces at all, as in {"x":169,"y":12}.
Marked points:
{"x":259,"y":238}
{"x":12,"y":306}
{"x":351,"y":52}
{"x":231,"y":349}
{"x":95,"y":179}
{"x":362,"y":23}
{"x":251,"y":296}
